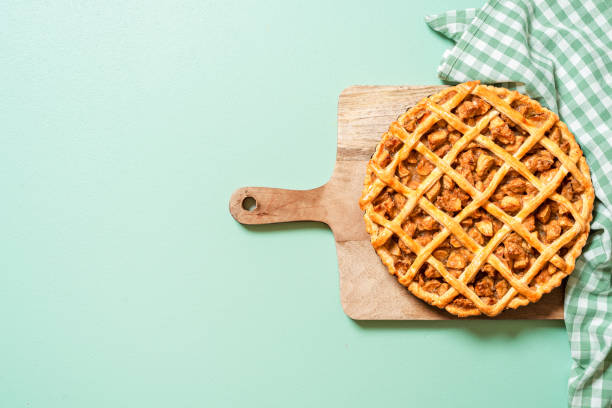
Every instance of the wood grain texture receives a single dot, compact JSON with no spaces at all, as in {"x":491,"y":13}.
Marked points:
{"x":367,"y":290}
{"x":365,"y":113}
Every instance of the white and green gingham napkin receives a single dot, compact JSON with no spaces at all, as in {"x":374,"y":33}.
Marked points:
{"x":560,"y":53}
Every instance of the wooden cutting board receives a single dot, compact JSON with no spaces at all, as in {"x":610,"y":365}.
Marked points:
{"x":367,"y":290}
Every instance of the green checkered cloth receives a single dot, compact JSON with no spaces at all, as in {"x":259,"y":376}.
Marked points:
{"x":560,"y":53}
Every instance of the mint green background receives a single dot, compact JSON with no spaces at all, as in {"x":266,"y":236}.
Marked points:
{"x":124,"y":282}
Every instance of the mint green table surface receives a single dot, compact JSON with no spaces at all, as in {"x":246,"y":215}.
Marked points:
{"x":124,"y":282}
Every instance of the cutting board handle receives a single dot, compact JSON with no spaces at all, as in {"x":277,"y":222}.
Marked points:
{"x":272,"y":205}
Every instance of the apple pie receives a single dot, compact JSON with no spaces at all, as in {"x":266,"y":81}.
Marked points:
{"x":478,"y":199}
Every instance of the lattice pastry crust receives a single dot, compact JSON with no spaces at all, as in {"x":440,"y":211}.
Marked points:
{"x":478,"y":199}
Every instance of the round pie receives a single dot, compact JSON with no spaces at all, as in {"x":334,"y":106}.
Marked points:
{"x":478,"y":199}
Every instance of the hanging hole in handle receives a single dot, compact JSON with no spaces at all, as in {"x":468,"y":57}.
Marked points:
{"x":249,"y":203}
